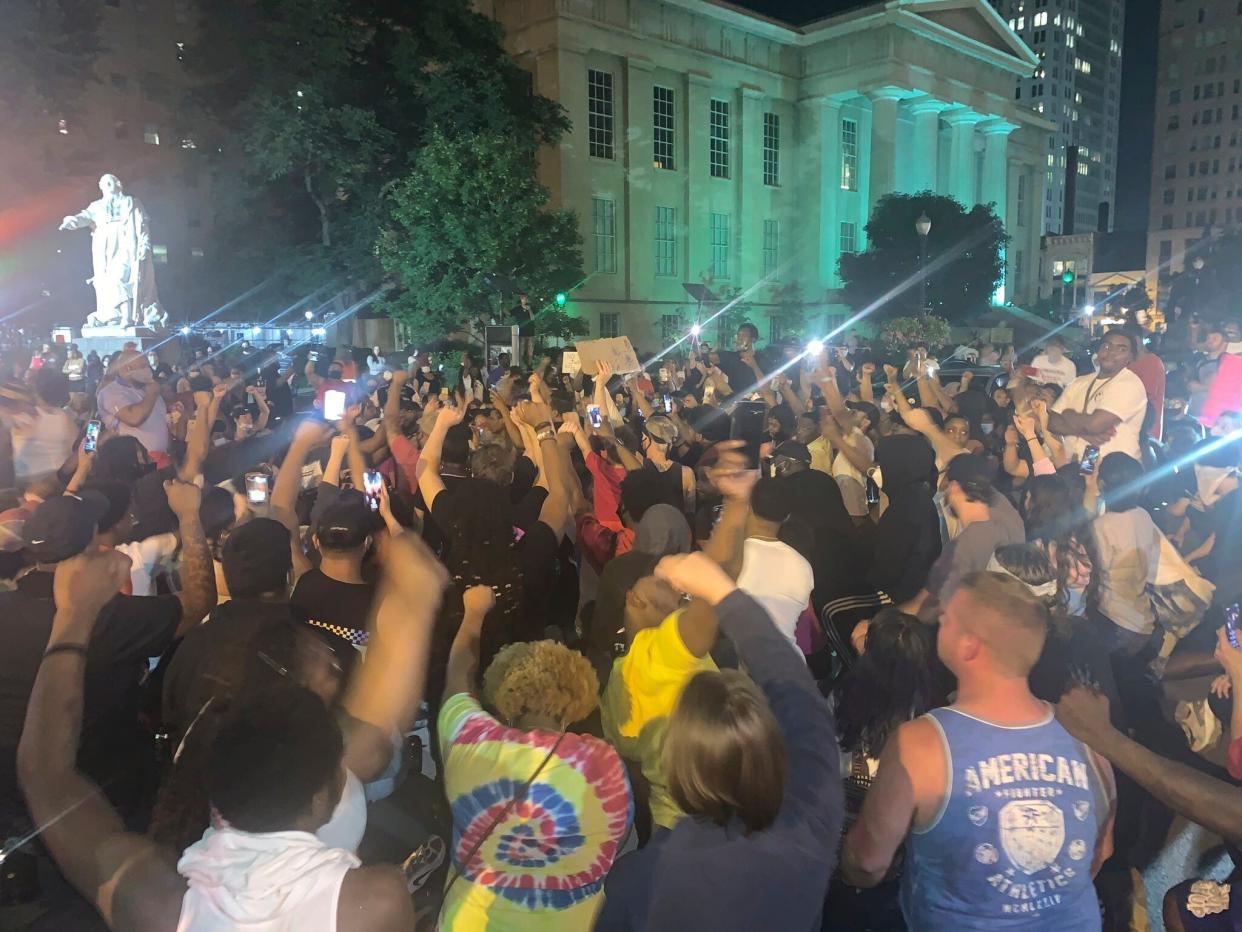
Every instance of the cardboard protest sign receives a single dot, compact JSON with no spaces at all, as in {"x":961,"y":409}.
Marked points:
{"x":617,"y":351}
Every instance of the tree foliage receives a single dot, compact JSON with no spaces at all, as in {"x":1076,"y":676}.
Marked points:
{"x":48,"y":48}
{"x":325,"y":110}
{"x":471,"y":208}
{"x":965,"y":258}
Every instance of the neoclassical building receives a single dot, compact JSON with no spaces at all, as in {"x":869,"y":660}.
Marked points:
{"x":711,"y":145}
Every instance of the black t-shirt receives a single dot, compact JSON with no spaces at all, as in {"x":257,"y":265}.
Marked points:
{"x":341,"y":607}
{"x":130,"y":630}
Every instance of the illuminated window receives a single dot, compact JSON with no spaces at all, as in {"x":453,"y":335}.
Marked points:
{"x":771,"y":246}
{"x":1040,"y":19}
{"x":187,"y":142}
{"x":151,"y":135}
{"x":599,"y":113}
{"x":160,"y":253}
{"x":665,"y":241}
{"x":604,"y":234}
{"x":720,"y":246}
{"x":771,"y":149}
{"x":718,"y":131}
{"x":849,"y":155}
{"x":848,"y":237}
{"x":196,"y":252}
{"x":62,"y":126}
{"x":662,"y":126}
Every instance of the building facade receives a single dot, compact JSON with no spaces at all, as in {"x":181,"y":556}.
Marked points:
{"x":131,"y":121}
{"x":1196,"y":186}
{"x":711,"y":146}
{"x":1104,"y":267}
{"x":1076,"y":85}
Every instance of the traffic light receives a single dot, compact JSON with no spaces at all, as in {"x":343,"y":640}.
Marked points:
{"x":561,"y":299}
{"x":1068,"y":277}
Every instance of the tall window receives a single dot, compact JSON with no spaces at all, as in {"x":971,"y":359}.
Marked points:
{"x":771,"y":149}
{"x":609,"y":324}
{"x":719,"y":138}
{"x":662,"y":127}
{"x":849,"y":237}
{"x":849,"y":155}
{"x":604,"y":233}
{"x":771,"y":246}
{"x":665,"y":241}
{"x":599,"y":113}
{"x":151,"y":134}
{"x":720,"y":246}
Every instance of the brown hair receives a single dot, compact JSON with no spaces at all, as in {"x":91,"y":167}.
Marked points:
{"x":1008,"y":619}
{"x":541,"y":677}
{"x":724,"y":754}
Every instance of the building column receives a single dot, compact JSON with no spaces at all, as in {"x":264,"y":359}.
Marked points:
{"x":694,"y":155}
{"x":926,"y":112}
{"x":883,"y":161}
{"x":996,"y":166}
{"x":961,"y":125}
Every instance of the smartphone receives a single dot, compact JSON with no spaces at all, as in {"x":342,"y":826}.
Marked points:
{"x":257,"y":488}
{"x":372,"y":484}
{"x":872,"y":491}
{"x":748,"y":424}
{"x":668,"y":403}
{"x":260,"y":382}
{"x":594,"y":416}
{"x":1090,"y":456}
{"x":91,"y":440}
{"x":767,"y":467}
{"x":1231,"y":624}
{"x":313,"y":356}
{"x":333,"y":405}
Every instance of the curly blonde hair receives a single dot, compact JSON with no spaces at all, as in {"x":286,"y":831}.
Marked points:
{"x":543,"y":678}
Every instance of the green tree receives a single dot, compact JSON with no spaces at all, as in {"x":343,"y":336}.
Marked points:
{"x":325,"y":108}
{"x":470,"y":209}
{"x":965,"y":256}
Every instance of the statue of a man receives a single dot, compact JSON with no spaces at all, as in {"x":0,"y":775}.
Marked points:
{"x":124,"y":279}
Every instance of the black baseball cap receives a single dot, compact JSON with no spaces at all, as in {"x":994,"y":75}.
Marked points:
{"x":793,"y":450}
{"x":967,"y":466}
{"x":62,"y":527}
{"x":345,"y":524}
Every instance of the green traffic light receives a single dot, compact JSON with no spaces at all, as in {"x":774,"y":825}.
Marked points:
{"x":1068,"y":278}
{"x":561,"y":299}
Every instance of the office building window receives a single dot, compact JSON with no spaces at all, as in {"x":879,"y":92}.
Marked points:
{"x":662,"y":137}
{"x":720,"y":246}
{"x":151,"y":135}
{"x":1166,"y":222}
{"x":665,"y":241}
{"x":771,"y":246}
{"x":160,"y":253}
{"x":604,"y":233}
{"x":599,"y":113}
{"x":849,"y":237}
{"x":849,"y":155}
{"x":771,"y":149}
{"x":196,"y":252}
{"x":609,"y":324}
{"x":718,"y":128}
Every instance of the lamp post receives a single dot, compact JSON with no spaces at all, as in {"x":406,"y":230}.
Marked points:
{"x":922,"y":226}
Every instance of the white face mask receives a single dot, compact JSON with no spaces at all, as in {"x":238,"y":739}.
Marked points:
{"x":986,"y":427}
{"x":426,"y":368}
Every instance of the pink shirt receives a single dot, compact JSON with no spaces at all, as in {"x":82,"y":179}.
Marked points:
{"x":405,"y":455}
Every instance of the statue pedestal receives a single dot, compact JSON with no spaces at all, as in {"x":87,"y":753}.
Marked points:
{"x":105,"y":340}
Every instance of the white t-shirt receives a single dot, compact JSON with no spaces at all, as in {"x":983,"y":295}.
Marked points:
{"x":778,"y":578}
{"x":1062,"y":372}
{"x":1127,"y":559}
{"x":42,"y":441}
{"x":853,"y":484}
{"x":1122,"y":395}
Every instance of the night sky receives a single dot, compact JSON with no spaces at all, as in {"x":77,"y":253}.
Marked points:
{"x":1138,"y":89}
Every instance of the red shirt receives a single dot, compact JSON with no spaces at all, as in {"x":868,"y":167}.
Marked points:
{"x":1150,"y":370}
{"x":607,"y":493}
{"x":405,"y":455}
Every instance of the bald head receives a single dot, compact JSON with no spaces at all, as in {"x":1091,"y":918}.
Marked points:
{"x":993,"y":623}
{"x":132,"y":366}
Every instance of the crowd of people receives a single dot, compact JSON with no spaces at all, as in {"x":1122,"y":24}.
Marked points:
{"x":780,"y":637}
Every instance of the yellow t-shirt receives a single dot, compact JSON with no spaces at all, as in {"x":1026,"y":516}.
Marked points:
{"x":641,"y":694}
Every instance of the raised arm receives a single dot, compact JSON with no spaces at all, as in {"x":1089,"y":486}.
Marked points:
{"x":198,"y":575}
{"x":289,"y":480}
{"x":125,"y":876}
{"x":865,"y":390}
{"x":463,"y":662}
{"x":555,"y":510}
{"x":383,"y":698}
{"x":735,"y":483}
{"x":135,"y":415}
{"x":265,"y":413}
{"x":428,"y":469}
{"x":918,"y":419}
{"x":197,"y":441}
{"x":506,"y":416}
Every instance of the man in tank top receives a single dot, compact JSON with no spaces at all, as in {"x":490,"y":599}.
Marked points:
{"x":1004,"y":815}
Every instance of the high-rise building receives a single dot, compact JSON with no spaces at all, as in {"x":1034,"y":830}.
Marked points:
{"x":715,"y":146}
{"x":129,"y":120}
{"x":1196,"y":186}
{"x":1077,"y":85}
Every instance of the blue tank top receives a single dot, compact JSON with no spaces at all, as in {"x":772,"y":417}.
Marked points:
{"x":1013,"y":844}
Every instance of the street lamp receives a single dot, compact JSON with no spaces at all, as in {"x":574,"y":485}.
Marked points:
{"x":1198,"y":263}
{"x":922,"y":226}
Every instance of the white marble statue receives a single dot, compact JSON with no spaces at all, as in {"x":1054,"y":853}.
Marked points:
{"x":124,"y":280}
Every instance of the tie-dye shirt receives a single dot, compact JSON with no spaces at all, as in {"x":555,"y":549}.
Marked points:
{"x":543,"y":866}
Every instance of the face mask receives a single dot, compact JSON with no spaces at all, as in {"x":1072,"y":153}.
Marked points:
{"x":426,"y":368}
{"x":986,"y":428}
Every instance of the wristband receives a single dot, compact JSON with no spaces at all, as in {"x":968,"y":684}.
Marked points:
{"x":66,"y":649}
{"x":546,"y":434}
